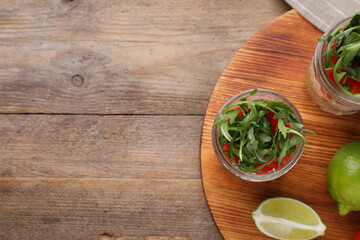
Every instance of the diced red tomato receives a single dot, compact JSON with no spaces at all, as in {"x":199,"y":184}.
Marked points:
{"x":236,"y":158}
{"x":267,"y":168}
{"x":357,"y":236}
{"x":354,"y":85}
{"x":273,"y":121}
{"x":272,"y":166}
{"x":334,"y":60}
{"x":239,"y":108}
{"x":226,"y":147}
{"x":330,"y":73}
{"x":270,"y":116}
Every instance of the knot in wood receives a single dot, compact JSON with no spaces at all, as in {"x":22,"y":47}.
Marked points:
{"x":77,"y":80}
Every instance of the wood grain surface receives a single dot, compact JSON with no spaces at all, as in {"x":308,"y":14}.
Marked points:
{"x":83,"y":146}
{"x":88,"y":208}
{"x":132,"y":56}
{"x":277,"y":58}
{"x":101,"y":106}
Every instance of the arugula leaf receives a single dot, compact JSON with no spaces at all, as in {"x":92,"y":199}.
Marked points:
{"x":278,"y":105}
{"x":225,"y":131}
{"x":295,"y":141}
{"x":225,"y":116}
{"x":253,"y":92}
{"x":284,"y":150}
{"x":355,"y":20}
{"x":296,"y":126}
{"x":353,"y":37}
{"x":263,"y":152}
{"x":252,"y":145}
{"x":309,"y":131}
{"x":299,"y":134}
{"x":263,"y":138}
{"x":282,"y":128}
{"x":250,"y":134}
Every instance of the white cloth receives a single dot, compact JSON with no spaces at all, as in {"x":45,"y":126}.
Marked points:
{"x":325,"y":13}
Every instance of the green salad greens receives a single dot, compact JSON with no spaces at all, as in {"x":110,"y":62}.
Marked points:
{"x":257,"y":133}
{"x":342,"y":56}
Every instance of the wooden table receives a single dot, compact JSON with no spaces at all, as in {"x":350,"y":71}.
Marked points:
{"x":102,"y":104}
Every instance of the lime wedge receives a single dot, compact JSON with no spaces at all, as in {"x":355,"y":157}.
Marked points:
{"x":287,"y":218}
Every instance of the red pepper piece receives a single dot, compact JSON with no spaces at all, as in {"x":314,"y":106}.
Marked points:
{"x":357,"y":236}
{"x":334,"y":60}
{"x":356,"y":88}
{"x":239,"y":108}
{"x":330,"y":73}
{"x":272,"y":166}
{"x":236,"y":158}
{"x":354,"y":85}
{"x":228,"y":158}
{"x":226,"y":147}
{"x":267,"y":168}
{"x":270,"y":116}
{"x":273,"y":121}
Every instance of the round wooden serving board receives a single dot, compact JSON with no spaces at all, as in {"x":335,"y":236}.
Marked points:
{"x":277,"y":58}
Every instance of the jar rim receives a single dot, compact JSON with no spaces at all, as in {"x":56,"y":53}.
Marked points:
{"x":252,"y":176}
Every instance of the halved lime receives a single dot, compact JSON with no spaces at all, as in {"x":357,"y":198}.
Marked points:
{"x":288,"y":219}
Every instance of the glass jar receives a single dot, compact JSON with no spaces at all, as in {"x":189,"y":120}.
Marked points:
{"x":262,"y":94}
{"x":324,"y":92}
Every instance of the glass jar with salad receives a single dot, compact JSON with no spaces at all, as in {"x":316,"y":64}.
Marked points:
{"x":333,"y":77}
{"x":258,"y":135}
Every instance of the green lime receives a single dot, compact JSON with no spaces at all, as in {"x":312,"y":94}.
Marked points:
{"x":287,"y":218}
{"x":343,"y":178}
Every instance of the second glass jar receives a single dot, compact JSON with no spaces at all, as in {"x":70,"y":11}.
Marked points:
{"x":329,"y":97}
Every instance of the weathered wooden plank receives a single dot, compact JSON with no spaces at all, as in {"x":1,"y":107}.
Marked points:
{"x":78,"y":146}
{"x":88,"y":208}
{"x":120,"y":57}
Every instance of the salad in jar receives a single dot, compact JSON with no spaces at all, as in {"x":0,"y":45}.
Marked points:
{"x":258,"y":135}
{"x":334,"y":73}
